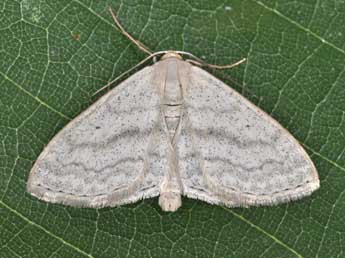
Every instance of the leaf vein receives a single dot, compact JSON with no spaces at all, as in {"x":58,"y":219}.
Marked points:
{"x":44,"y":229}
{"x":35,"y":97}
{"x":275,"y":239}
{"x":300,"y":26}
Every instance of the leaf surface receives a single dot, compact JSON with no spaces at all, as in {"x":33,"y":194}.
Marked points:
{"x":55,"y":54}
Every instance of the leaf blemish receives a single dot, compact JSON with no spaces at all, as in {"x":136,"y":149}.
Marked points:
{"x":76,"y":36}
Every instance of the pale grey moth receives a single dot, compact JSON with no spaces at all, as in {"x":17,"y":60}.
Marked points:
{"x":169,"y":130}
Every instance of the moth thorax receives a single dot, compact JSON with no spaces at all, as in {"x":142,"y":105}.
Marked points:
{"x":172,"y":99}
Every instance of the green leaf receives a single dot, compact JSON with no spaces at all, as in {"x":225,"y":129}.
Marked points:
{"x":55,"y":54}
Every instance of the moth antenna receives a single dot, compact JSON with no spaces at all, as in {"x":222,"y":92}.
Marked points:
{"x":227,"y":66}
{"x":201,"y":63}
{"x":195,"y":60}
{"x":128,"y":71}
{"x":124,"y":32}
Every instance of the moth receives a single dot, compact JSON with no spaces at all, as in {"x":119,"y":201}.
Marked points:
{"x":171,"y":130}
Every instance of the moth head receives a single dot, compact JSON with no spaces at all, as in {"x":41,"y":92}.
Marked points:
{"x":170,"y":54}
